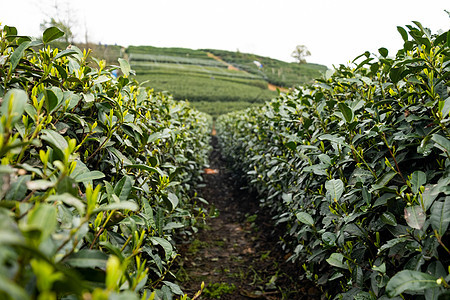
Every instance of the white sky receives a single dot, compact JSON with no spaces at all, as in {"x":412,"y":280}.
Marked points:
{"x":334,"y":31}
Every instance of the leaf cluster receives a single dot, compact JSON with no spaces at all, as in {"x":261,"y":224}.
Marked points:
{"x":356,"y":170}
{"x":97,"y":175}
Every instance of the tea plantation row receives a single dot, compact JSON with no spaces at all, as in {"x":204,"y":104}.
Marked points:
{"x":97,"y":176}
{"x":356,"y":170}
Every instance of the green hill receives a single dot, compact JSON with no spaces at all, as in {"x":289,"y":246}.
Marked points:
{"x":216,"y":81}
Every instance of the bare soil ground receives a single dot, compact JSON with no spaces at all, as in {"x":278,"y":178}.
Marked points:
{"x":235,"y":255}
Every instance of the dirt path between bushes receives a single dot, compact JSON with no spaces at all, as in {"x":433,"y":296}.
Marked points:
{"x":235,"y":255}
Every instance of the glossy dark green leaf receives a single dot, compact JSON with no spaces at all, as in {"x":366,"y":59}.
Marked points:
{"x":305,"y":218}
{"x":440,"y":216}
{"x":408,"y":280}
{"x":383,"y":51}
{"x":51,"y":33}
{"x":67,"y":185}
{"x":18,"y":189}
{"x":388,"y":218}
{"x":55,"y":139}
{"x":346,"y":112}
{"x":418,"y":178}
{"x":165,"y":244}
{"x":336,"y":260}
{"x":123,"y":188}
{"x":18,"y":54}
{"x":441,"y":142}
{"x":403,"y":33}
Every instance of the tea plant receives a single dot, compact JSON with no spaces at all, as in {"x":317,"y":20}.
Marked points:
{"x":356,"y":167}
{"x":97,"y":176}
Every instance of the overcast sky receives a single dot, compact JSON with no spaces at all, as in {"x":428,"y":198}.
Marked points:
{"x":334,"y":31}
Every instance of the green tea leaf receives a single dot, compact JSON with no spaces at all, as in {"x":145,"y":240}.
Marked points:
{"x":329,"y":238}
{"x":123,"y":205}
{"x":18,"y":189}
{"x":440,"y":216}
{"x":43,"y":217}
{"x":56,"y":140}
{"x":388,"y":218}
{"x":165,"y":244}
{"x":89,"y":176}
{"x":13,"y":105}
{"x":336,"y":259}
{"x":124,"y":67}
{"x":70,"y":200}
{"x":123,"y":188}
{"x":173,"y":200}
{"x":403,"y":33}
{"x":18,"y":54}
{"x":305,"y":218}
{"x":415,"y":216}
{"x":335,"y":189}
{"x":88,"y":259}
{"x":445,"y":108}
{"x":441,"y":142}
{"x":346,"y":112}
{"x":11,"y":289}
{"x":408,"y":280}
{"x":51,"y":33}
{"x":418,"y":178}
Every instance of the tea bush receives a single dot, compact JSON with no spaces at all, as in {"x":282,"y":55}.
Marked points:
{"x":97,"y":176}
{"x":356,"y":168}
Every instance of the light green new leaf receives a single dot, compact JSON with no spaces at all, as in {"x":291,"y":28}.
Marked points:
{"x":335,"y":189}
{"x":418,"y":178}
{"x":415,"y":216}
{"x":51,"y":33}
{"x":408,"y":280}
{"x":124,"y":67}
{"x":440,"y":216}
{"x":336,"y":259}
{"x":305,"y":218}
{"x":13,"y":105}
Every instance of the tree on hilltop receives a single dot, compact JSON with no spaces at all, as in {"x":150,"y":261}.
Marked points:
{"x":300,"y":53}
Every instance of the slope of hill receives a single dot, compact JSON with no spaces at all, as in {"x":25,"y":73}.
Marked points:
{"x":216,"y":81}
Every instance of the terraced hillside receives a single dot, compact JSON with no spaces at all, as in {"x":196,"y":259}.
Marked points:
{"x":213,"y":84}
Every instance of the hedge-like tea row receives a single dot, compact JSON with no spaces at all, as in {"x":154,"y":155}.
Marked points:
{"x":97,"y":175}
{"x":356,"y":169}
